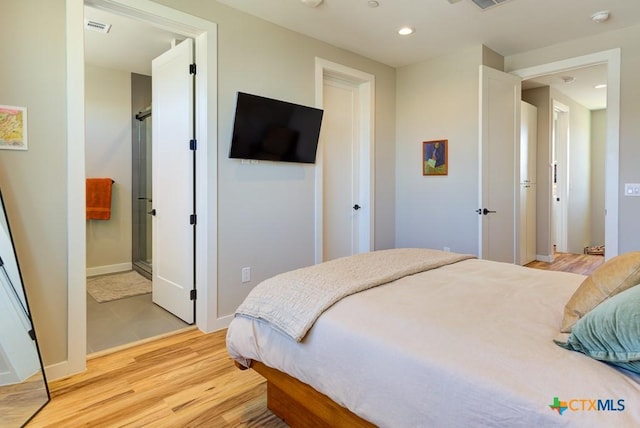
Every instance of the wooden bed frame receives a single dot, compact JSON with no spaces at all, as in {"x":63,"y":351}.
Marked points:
{"x":299,"y":405}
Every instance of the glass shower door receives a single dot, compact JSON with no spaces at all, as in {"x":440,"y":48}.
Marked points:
{"x":142,"y":203}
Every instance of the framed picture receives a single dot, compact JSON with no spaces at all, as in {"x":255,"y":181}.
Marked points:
{"x":435,"y":159}
{"x":13,"y":128}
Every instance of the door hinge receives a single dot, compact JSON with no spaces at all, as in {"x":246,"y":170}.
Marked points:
{"x":193,"y":218}
{"x":192,"y":69}
{"x":193,"y":295}
{"x":193,"y":144}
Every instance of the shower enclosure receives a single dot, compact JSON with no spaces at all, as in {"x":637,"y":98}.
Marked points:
{"x":142,"y":205}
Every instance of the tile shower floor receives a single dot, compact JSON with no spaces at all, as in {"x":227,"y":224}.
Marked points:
{"x":123,"y":321}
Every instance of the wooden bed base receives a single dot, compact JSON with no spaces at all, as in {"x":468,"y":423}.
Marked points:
{"x":299,"y":405}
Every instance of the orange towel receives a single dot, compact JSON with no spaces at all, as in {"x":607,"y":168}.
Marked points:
{"x":99,"y":198}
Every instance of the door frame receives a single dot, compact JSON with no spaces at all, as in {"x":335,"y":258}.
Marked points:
{"x":205,"y":35}
{"x":365,"y":83}
{"x":612,"y":164}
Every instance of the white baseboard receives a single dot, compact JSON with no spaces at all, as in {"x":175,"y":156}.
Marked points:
{"x":103,"y":270}
{"x":60,"y":370}
{"x":547,"y":259}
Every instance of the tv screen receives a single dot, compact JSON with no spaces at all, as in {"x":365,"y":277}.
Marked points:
{"x":268,"y":129}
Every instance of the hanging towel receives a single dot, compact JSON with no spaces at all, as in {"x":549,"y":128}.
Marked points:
{"x":99,"y":198}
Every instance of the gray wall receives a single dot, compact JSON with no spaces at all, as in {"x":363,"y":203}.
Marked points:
{"x":438,"y":99}
{"x":33,"y":75}
{"x":108,"y":154}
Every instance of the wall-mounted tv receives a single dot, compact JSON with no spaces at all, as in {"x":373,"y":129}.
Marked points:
{"x":269,"y":129}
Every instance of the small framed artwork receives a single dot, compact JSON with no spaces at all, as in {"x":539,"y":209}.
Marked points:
{"x":435,"y":159}
{"x":13,"y":128}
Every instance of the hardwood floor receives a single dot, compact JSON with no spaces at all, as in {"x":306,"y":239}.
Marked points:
{"x":577,"y":263}
{"x":184,"y":380}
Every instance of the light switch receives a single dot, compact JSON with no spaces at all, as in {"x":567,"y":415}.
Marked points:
{"x":632,"y":189}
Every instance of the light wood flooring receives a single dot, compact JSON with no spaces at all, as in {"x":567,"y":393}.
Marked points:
{"x":184,"y":380}
{"x":577,"y":263}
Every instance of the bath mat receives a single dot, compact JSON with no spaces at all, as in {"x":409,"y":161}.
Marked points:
{"x":105,"y":288}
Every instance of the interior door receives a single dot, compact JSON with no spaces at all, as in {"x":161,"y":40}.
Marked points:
{"x":173,"y":181}
{"x":341,"y":163}
{"x":500,"y":95}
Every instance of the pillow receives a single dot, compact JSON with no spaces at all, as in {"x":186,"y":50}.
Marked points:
{"x":611,"y":331}
{"x":613,"y":277}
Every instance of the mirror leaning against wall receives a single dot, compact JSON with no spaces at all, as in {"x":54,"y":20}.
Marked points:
{"x":23,"y":386}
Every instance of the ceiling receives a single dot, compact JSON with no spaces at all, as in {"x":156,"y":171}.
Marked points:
{"x":440,"y":26}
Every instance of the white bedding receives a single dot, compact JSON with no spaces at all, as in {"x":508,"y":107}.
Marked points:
{"x":468,"y":344}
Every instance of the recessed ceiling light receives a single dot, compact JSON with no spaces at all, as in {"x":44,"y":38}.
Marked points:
{"x":373,"y":3}
{"x":601,"y":16}
{"x":568,"y":79}
{"x":405,"y":31}
{"x":600,"y":86}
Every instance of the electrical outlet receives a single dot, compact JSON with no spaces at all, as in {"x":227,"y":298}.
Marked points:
{"x":632,"y":189}
{"x":246,"y":274}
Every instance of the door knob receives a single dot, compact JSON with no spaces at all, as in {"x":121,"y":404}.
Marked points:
{"x":356,"y":207}
{"x":486,"y":211}
{"x":152,"y":212}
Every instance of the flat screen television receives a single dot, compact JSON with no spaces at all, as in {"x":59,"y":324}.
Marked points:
{"x":269,"y":129}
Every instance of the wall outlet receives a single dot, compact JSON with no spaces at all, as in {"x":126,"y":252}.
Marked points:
{"x":447,"y":249}
{"x":632,"y":189}
{"x":246,"y":274}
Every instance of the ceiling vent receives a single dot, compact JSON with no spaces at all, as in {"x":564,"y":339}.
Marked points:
{"x":100,"y":27}
{"x":486,"y":4}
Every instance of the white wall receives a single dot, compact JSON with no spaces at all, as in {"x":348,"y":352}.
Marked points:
{"x":108,"y":154}
{"x":598,"y":142}
{"x":435,"y":100}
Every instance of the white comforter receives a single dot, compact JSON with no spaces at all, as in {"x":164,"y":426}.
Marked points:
{"x":464,"y":345}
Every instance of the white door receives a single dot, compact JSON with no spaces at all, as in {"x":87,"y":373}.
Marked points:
{"x":499,"y":165}
{"x":341,"y":163}
{"x":561,"y":161}
{"x":173,"y":181}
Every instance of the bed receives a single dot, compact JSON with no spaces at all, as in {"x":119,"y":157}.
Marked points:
{"x":426,"y":338}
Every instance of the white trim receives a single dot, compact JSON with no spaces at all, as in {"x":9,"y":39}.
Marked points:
{"x":205,"y":35}
{"x":107,"y":269}
{"x":612,"y":59}
{"x":366,"y":87}
{"x":541,"y":258}
{"x":76,"y":221}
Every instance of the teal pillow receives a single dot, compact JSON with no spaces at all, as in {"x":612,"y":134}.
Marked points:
{"x":611,"y":331}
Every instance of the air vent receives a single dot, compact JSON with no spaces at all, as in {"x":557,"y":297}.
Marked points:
{"x":100,"y":27}
{"x":486,"y":4}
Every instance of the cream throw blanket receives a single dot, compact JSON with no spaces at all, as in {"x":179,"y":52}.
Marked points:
{"x":291,"y":302}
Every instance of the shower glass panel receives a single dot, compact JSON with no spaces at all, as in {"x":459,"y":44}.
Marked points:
{"x":142,"y":204}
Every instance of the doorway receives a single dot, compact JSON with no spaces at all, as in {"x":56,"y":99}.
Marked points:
{"x":611,"y":59}
{"x":344,"y":163}
{"x":118,"y":97}
{"x":205,"y":34}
